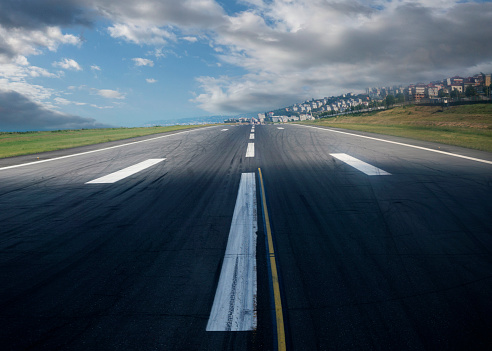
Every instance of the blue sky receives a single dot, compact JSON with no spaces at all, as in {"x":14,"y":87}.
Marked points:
{"x":94,"y":63}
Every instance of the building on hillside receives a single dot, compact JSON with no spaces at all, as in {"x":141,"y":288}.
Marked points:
{"x":458,"y":87}
{"x":487,"y":80}
{"x":433,"y":90}
{"x":419,"y":92}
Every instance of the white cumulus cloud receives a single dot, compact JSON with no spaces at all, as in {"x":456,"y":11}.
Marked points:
{"x":191,"y":39}
{"x":68,"y":64}
{"x":143,"y":62}
{"x":26,"y":41}
{"x":110,"y":94}
{"x":141,"y":34}
{"x":151,"y":80}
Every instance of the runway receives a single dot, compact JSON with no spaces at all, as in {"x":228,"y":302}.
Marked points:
{"x":379,"y":243}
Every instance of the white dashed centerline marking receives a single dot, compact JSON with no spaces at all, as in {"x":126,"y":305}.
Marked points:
{"x":251,"y":136}
{"x":234,"y":307}
{"x":223,"y":130}
{"x":250,"y":152}
{"x":280,"y":128}
{"x":126,"y":172}
{"x":360,"y":165}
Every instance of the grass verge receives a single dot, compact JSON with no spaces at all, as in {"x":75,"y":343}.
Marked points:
{"x":467,"y":126}
{"x":25,"y":143}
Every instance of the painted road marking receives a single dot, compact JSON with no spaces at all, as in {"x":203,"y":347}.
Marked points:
{"x":279,"y":316}
{"x":402,"y":144}
{"x":126,"y":172}
{"x":223,"y":130}
{"x":360,"y":165}
{"x":234,"y":307}
{"x":280,"y":128}
{"x":250,"y":151}
{"x":103,"y":149}
{"x":251,"y":136}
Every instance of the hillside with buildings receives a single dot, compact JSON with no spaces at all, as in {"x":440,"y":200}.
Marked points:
{"x":447,"y":91}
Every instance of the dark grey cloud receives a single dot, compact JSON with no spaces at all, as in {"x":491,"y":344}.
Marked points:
{"x":328,"y":47}
{"x":19,"y":113}
{"x":194,"y":13}
{"x":349,"y":7}
{"x":37,"y":14}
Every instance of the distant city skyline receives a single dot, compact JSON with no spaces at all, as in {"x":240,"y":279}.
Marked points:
{"x":95,"y":63}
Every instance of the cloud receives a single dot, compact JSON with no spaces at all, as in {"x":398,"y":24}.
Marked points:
{"x":110,"y":94}
{"x":143,"y":62}
{"x":14,"y":76}
{"x":68,"y":64}
{"x":38,"y":14}
{"x":190,"y":39}
{"x":249,"y":93}
{"x":15,"y":42}
{"x":19,"y":113}
{"x":141,"y":34}
{"x":151,"y":80}
{"x":321,"y":48}
{"x":159,"y":13}
{"x":287,"y":48}
{"x":62,"y":101}
{"x":95,"y":68}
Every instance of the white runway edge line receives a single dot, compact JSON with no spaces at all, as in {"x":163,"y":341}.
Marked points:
{"x":235,"y":300}
{"x":402,"y":144}
{"x":103,"y":149}
{"x":250,"y":151}
{"x":251,"y":136}
{"x":126,"y":172}
{"x":360,"y":165}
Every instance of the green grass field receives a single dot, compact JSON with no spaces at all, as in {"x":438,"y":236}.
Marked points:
{"x":16,"y":144}
{"x":468,"y":125}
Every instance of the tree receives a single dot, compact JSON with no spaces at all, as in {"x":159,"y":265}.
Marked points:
{"x":486,"y":90}
{"x":470,"y":91}
{"x":455,"y":94}
{"x":390,"y":100}
{"x":400,"y":98}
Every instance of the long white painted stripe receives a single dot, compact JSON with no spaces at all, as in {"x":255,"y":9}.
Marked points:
{"x":251,"y":136}
{"x":223,"y":130}
{"x":234,"y":307}
{"x":280,"y":128}
{"x":126,"y":172}
{"x":250,"y":151}
{"x":103,"y":149}
{"x":360,"y":165}
{"x":402,"y":144}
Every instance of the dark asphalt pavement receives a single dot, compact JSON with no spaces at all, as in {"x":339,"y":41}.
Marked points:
{"x":402,"y":261}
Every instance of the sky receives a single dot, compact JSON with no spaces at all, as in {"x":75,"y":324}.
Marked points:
{"x":99,"y":63}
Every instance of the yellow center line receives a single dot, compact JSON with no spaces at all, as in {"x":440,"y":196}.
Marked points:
{"x":276,"y":287}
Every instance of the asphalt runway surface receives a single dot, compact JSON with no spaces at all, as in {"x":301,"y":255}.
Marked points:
{"x":400,"y":259}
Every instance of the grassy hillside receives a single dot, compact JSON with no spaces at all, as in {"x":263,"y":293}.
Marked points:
{"x":15,"y":144}
{"x":468,"y":125}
